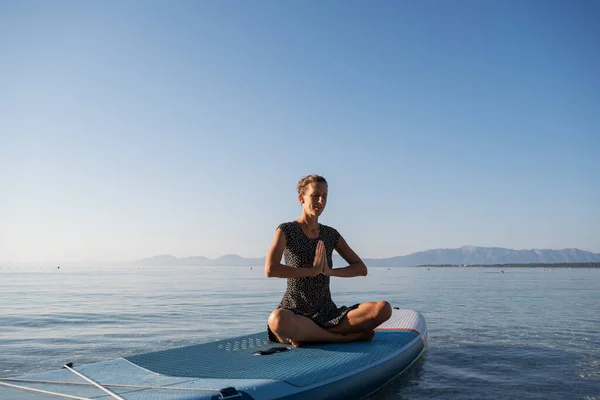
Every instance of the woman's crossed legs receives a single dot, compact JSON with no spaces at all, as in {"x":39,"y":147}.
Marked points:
{"x":357,"y":325}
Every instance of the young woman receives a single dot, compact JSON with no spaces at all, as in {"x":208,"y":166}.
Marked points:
{"x":306,"y":313}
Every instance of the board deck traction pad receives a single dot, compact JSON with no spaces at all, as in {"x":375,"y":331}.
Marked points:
{"x":234,"y":358}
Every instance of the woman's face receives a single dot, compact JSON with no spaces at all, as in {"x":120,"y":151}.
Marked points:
{"x":314,"y":198}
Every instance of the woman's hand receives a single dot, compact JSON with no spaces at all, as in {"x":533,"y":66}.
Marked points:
{"x":320,"y":264}
{"x":318,"y":261}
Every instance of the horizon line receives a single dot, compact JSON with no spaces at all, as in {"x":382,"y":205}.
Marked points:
{"x":238,"y":255}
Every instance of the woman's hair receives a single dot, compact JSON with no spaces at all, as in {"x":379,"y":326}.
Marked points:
{"x":307,"y":180}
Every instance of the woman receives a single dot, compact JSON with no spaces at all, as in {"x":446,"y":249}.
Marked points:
{"x":306,"y":313}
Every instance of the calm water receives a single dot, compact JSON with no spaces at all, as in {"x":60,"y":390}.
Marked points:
{"x":525,"y":334}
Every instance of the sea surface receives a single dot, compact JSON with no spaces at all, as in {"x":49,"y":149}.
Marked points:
{"x":521,"y":334}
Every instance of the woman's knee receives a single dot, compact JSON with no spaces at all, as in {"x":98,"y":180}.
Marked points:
{"x":279,"y":320}
{"x":383,"y":311}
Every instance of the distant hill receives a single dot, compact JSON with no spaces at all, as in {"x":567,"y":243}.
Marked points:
{"x":485,"y":256}
{"x":465,"y":255}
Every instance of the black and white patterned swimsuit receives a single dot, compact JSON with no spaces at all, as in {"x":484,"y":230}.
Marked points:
{"x":310,"y":296}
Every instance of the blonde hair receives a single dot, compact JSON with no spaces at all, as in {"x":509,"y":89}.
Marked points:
{"x":307,"y":180}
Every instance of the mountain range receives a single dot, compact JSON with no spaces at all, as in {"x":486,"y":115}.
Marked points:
{"x":469,"y":255}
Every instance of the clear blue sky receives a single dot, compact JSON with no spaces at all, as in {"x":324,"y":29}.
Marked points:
{"x":136,"y":128}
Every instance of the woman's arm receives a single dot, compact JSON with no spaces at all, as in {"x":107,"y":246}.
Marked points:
{"x":356,"y":268}
{"x":273,"y":266}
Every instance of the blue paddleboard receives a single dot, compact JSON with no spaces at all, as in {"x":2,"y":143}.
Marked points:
{"x":245,"y":367}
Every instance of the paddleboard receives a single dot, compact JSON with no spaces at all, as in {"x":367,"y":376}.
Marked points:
{"x":244,"y":367}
